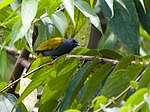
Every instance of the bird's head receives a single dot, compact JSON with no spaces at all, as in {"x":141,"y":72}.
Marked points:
{"x":73,"y":43}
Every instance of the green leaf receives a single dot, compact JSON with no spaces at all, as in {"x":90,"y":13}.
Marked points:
{"x":135,"y":99}
{"x":41,"y":76}
{"x":97,"y":101}
{"x":144,"y":34}
{"x":43,"y":28}
{"x":56,"y":85}
{"x":122,"y":3}
{"x":124,"y":62}
{"x":2,"y":85}
{"x":38,"y":62}
{"x":6,"y":11}
{"x":89,"y":13}
{"x":3,"y":61}
{"x":48,"y":24}
{"x":124,"y":23}
{"x":91,"y":2}
{"x":144,"y":82}
{"x":97,"y":78}
{"x":134,"y":84}
{"x":27,"y":18}
{"x":28,"y":6}
{"x":80,"y":21}
{"x":48,"y":6}
{"x":110,"y":54}
{"x":142,"y":3}
{"x":83,"y":35}
{"x":17,"y":33}
{"x":145,"y":108}
{"x":53,"y":5}
{"x":5,"y":3}
{"x":29,"y":38}
{"x":21,"y":43}
{"x":60,"y":21}
{"x":80,"y":51}
{"x":69,"y":6}
{"x":15,"y":30}
{"x":147,"y":99}
{"x":72,"y":110}
{"x":11,"y":21}
{"x":143,"y":17}
{"x":112,"y":86}
{"x":7,"y":101}
{"x":109,"y":41}
{"x":76,"y":83}
{"x":85,"y":51}
{"x":110,"y":5}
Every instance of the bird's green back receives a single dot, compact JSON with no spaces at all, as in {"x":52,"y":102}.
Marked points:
{"x":50,"y":44}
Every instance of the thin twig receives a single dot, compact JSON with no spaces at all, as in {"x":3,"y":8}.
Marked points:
{"x":25,"y":75}
{"x":15,"y":53}
{"x":137,"y":106}
{"x":90,"y":58}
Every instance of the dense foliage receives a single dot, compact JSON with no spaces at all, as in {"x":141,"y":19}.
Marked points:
{"x":114,"y":77}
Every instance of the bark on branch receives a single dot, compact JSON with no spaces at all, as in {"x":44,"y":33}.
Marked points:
{"x":18,"y":68}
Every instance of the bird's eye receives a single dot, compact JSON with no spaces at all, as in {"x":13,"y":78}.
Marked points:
{"x":74,"y":41}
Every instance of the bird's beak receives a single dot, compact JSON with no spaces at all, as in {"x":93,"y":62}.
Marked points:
{"x":77,"y":44}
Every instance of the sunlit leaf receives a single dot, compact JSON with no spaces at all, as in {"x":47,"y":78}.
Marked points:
{"x":142,"y":2}
{"x":31,"y":99}
{"x":3,"y":61}
{"x":69,"y":6}
{"x":72,"y":110}
{"x":56,"y":84}
{"x":147,"y":99}
{"x":2,"y":85}
{"x":110,"y":4}
{"x":135,"y":99}
{"x":7,"y":101}
{"x":89,"y":13}
{"x":28,"y":6}
{"x":60,"y":21}
{"x":4,"y":3}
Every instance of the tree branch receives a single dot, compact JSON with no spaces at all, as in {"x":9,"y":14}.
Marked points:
{"x":12,"y":84}
{"x":18,"y":68}
{"x":20,"y":62}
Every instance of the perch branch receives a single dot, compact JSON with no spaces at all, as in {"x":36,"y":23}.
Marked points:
{"x":26,"y":64}
{"x":90,"y":58}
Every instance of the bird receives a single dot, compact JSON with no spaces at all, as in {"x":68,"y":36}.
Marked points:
{"x":57,"y":46}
